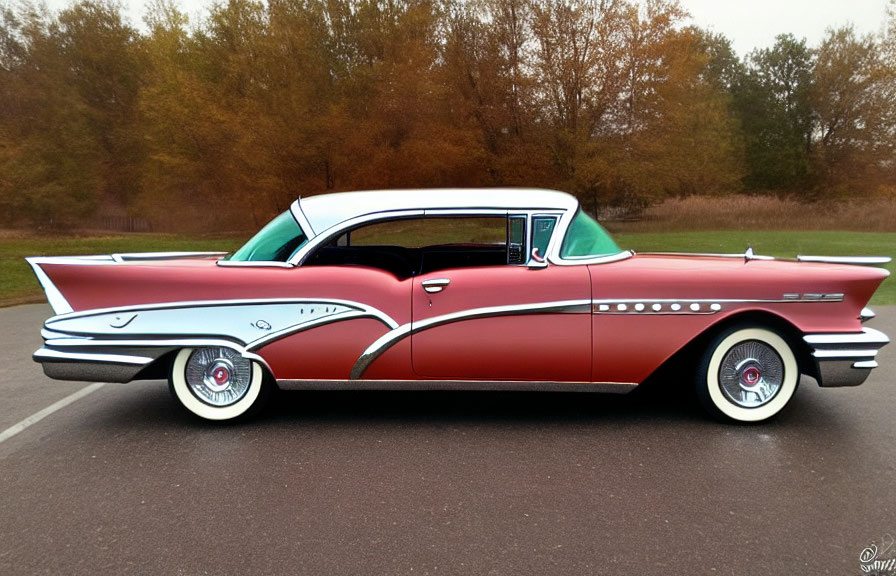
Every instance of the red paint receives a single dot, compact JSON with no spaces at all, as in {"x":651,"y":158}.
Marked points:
{"x":327,"y":352}
{"x":524,"y":347}
{"x":543,"y":346}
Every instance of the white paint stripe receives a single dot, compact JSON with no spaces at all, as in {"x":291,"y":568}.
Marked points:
{"x":56,"y":406}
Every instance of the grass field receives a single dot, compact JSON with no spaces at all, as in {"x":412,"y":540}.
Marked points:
{"x":18,"y":284}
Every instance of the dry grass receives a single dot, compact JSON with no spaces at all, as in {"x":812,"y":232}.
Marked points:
{"x":763,"y":213}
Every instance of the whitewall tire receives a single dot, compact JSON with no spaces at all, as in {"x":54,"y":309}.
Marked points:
{"x":217,"y":383}
{"x":747,"y":374}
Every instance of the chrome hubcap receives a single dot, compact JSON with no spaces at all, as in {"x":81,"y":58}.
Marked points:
{"x":751,"y":373}
{"x":218,"y":376}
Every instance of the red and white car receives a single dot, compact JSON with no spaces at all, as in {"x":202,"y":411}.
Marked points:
{"x":455,"y":289}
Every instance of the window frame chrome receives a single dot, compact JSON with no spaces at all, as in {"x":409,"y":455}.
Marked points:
{"x":564,"y":216}
{"x":557,"y":241}
{"x":334,"y":231}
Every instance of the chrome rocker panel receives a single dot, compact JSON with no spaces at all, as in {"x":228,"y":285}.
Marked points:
{"x":465,"y":385}
{"x":845,"y":359}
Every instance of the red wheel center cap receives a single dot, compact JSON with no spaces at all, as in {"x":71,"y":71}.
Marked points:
{"x":751,"y":376}
{"x":221,"y":376}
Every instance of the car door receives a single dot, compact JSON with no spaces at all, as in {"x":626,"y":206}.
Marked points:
{"x":506,"y":322}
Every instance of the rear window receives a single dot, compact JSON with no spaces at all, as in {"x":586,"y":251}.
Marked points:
{"x":276,"y":242}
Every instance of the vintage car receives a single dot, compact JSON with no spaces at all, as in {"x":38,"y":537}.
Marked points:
{"x":456,"y":289}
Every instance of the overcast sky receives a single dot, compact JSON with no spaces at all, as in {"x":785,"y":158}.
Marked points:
{"x":748,"y":24}
{"x":753,"y":24}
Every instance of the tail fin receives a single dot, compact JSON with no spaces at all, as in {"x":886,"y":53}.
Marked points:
{"x":54,"y":296}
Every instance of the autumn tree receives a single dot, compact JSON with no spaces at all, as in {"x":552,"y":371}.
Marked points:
{"x":853,"y":100}
{"x":486,"y":48}
{"x":219,"y":123}
{"x":71,"y":89}
{"x":773,"y":102}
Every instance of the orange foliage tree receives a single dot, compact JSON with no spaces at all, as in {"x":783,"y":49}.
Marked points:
{"x":218,"y":124}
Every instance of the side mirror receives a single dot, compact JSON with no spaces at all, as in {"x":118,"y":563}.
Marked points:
{"x":536,"y":261}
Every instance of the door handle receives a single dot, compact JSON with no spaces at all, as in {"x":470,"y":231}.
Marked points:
{"x":435,"y":285}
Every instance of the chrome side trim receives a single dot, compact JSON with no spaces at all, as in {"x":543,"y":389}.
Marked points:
{"x":848,"y":353}
{"x":845,"y":359}
{"x":250,"y":323}
{"x":746,"y":256}
{"x":348,"y":315}
{"x":48,"y":355}
{"x":168,"y":343}
{"x":50,"y":335}
{"x":563,"y":307}
{"x":554,"y":258}
{"x":100,"y":260}
{"x":448,"y":212}
{"x":140,"y":256}
{"x":254,"y":264}
{"x":657,"y":307}
{"x":833,"y":297}
{"x":385,"y":318}
{"x":57,"y":301}
{"x":301,"y":219}
{"x":858,"y":260}
{"x":678,"y":306}
{"x":376,"y":349}
{"x":465,"y":385}
{"x":389,"y":339}
{"x":868,"y":336}
{"x":67,"y":340}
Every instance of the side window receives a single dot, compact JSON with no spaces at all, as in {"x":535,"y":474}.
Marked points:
{"x":432,"y":231}
{"x":542,"y":230}
{"x":414,"y":246}
{"x":516,"y":240}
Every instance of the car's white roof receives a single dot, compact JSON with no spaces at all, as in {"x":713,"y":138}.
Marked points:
{"x":328,"y":210}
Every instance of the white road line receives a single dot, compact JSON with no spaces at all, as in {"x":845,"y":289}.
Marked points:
{"x":56,"y":406}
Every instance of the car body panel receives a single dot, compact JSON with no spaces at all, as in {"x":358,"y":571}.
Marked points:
{"x":531,"y":324}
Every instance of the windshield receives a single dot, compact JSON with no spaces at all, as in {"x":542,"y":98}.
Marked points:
{"x":276,"y":242}
{"x":586,"y":238}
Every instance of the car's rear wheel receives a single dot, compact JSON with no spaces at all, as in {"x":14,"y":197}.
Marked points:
{"x":217,"y":383}
{"x":748,"y":374}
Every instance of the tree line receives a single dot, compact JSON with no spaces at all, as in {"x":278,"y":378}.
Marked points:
{"x":220,"y":123}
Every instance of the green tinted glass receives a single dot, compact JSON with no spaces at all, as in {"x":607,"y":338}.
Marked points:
{"x":542,"y":228}
{"x":517,"y":233}
{"x":276,"y":242}
{"x":586,"y":237}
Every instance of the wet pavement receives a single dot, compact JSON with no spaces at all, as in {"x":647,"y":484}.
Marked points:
{"x":122,"y":482}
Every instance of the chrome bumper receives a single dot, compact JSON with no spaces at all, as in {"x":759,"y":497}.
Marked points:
{"x":78,"y":358}
{"x":845,"y":359}
{"x":89,"y":367}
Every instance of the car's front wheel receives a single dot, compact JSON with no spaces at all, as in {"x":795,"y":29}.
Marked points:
{"x":748,"y":374}
{"x":217,"y":383}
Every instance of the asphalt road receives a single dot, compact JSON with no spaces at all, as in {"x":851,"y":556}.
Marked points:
{"x":121,"y":482}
